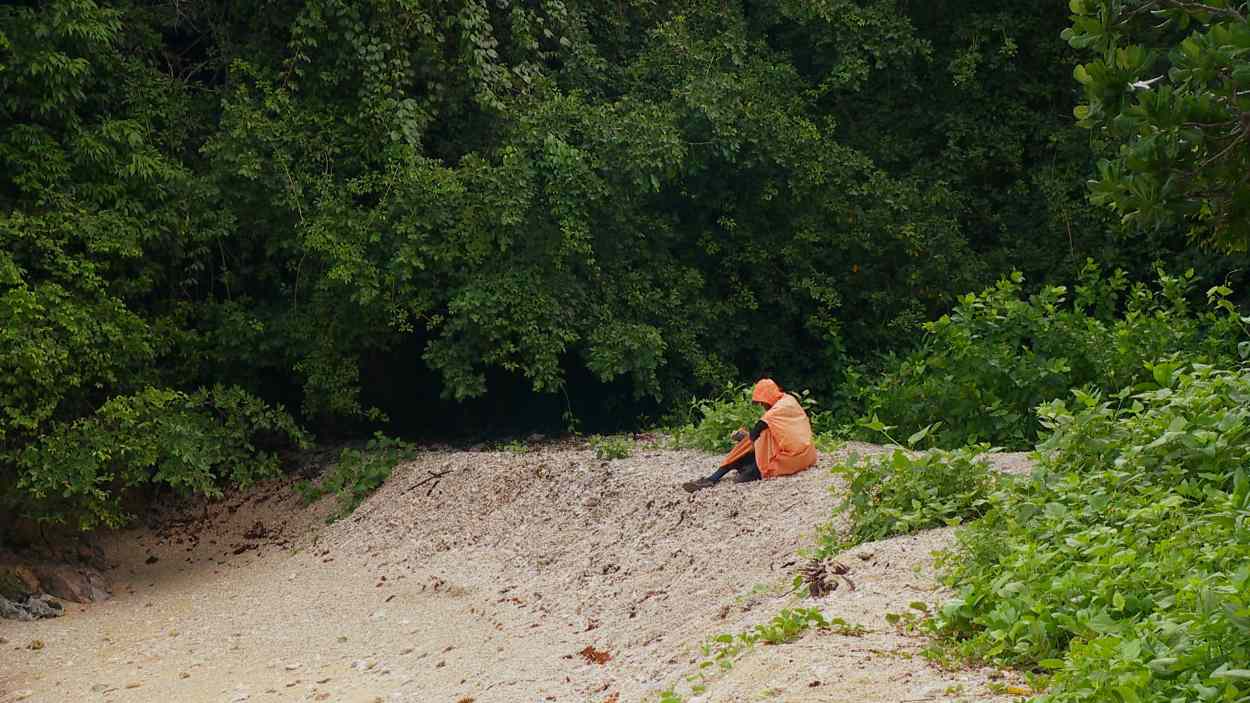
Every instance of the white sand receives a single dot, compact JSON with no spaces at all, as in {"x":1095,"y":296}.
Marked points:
{"x":486,"y":590}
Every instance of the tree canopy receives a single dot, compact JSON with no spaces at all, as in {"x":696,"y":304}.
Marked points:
{"x":1171,"y":87}
{"x":217,"y":210}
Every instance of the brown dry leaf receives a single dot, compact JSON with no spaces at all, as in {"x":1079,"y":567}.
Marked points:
{"x":595,"y":656}
{"x":466,"y":699}
{"x":817,"y":579}
{"x":816,"y":574}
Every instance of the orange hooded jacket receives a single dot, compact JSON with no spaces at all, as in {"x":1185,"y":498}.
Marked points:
{"x":785,"y":446}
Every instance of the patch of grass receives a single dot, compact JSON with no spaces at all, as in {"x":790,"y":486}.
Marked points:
{"x":788,"y":625}
{"x":722,"y":651}
{"x":1033,"y":685}
{"x":516,"y":446}
{"x":760,"y":589}
{"x":357,"y":474}
{"x":909,"y":621}
{"x":610,"y":448}
{"x":827,"y":443}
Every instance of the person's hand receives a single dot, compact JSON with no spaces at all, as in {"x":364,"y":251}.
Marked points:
{"x":739,"y":436}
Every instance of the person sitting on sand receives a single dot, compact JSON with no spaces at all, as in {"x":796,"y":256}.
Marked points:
{"x":780,"y":444}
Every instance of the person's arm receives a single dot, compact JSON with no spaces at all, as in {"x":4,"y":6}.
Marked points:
{"x":753,"y":433}
{"x":758,"y":430}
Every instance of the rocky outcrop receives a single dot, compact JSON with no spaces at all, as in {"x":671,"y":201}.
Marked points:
{"x":20,"y":597}
{"x":78,"y":584}
{"x":31,"y":592}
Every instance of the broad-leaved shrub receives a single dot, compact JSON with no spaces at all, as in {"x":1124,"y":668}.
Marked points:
{"x":1123,"y":565}
{"x":714,"y":420}
{"x":982,"y":369}
{"x":79,"y":472}
{"x":905,"y":490}
{"x":358,"y":473}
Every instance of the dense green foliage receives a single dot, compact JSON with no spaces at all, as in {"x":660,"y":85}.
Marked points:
{"x":1122,"y":564}
{"x":104,"y":232}
{"x":80,"y":470}
{"x":611,"y":448}
{"x":711,"y":422}
{"x":983,"y":368}
{"x":1170,"y":84}
{"x":357,"y":474}
{"x":714,"y":420}
{"x":356,"y":209}
{"x":904,"y":491}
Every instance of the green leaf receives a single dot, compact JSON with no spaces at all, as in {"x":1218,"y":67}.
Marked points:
{"x":1242,"y":674}
{"x":918,"y":435}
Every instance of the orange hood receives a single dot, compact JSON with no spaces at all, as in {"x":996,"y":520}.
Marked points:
{"x":767,"y":392}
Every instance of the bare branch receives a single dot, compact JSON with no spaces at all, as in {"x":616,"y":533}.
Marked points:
{"x":1192,"y":6}
{"x":1240,"y":138}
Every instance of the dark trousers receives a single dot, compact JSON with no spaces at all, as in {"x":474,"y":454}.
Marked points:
{"x":745,"y":466}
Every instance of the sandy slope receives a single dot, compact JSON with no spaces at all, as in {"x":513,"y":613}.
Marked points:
{"x":487,"y":583}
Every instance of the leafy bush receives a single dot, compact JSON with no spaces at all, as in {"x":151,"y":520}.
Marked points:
{"x":1165,"y":83}
{"x":79,"y":472}
{"x":358,"y":473}
{"x":609,"y":448}
{"x":515,"y":446}
{"x":1122,"y":565}
{"x":315,"y":203}
{"x":714,"y":420}
{"x":983,"y":368}
{"x":904,"y":491}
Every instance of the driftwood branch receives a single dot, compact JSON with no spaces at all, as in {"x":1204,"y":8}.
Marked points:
{"x":434,"y":476}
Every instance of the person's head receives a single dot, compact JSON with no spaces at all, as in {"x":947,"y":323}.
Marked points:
{"x":766,"y":392}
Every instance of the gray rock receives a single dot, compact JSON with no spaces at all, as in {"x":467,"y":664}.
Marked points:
{"x":33,"y":608}
{"x":51,"y":607}
{"x":12,"y":611}
{"x":45,"y":606}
